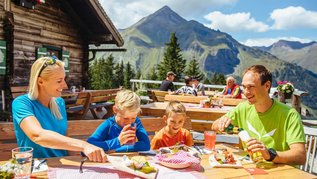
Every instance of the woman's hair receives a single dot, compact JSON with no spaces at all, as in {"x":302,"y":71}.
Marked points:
{"x":127,"y":100}
{"x":175,"y":107}
{"x":41,"y":67}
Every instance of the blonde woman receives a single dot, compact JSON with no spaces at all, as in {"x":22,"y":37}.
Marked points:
{"x":120,"y":131}
{"x":40,"y":119}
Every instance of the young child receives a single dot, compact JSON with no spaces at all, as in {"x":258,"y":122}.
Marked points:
{"x":173,"y":132}
{"x":116,"y":133}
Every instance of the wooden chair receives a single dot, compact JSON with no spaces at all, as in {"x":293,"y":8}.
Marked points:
{"x":159,"y":96}
{"x":311,"y":145}
{"x":79,"y":109}
{"x":153,"y":125}
{"x":101,"y":99}
{"x":185,"y":99}
{"x":79,"y":129}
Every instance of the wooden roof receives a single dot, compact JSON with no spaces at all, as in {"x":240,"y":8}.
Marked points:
{"x":93,"y":21}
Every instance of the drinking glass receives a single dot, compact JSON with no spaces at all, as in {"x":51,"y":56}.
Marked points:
{"x":210,"y":139}
{"x":132,"y":127}
{"x":255,"y":156}
{"x":23,"y":157}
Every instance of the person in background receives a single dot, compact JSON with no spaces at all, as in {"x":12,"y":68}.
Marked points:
{"x":232,"y":90}
{"x":276,"y":128}
{"x":40,"y":119}
{"x":173,"y":133}
{"x":116,"y":133}
{"x":188,"y":88}
{"x":199,"y":87}
{"x":167,"y":84}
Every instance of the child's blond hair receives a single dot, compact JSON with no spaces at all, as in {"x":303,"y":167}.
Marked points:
{"x":175,"y":107}
{"x":128,"y":100}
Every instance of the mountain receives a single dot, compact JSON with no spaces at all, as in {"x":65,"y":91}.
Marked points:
{"x":215,"y":51}
{"x":302,"y":54}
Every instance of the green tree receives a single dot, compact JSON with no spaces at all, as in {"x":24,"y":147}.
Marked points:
{"x":128,"y":75}
{"x":119,"y":74}
{"x":152,"y":75}
{"x":108,"y":73}
{"x":218,"y":79}
{"x":96,"y":74}
{"x":193,"y":70}
{"x":172,"y":60}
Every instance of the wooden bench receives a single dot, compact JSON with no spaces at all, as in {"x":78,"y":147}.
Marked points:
{"x":102,"y":99}
{"x":158,"y":96}
{"x":229,"y":101}
{"x":80,"y":129}
{"x":18,"y":91}
{"x":185,"y":99}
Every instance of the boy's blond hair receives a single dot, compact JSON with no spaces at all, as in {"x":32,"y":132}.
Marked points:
{"x":175,"y":107}
{"x":128,"y":100}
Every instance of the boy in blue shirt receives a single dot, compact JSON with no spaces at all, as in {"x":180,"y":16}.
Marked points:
{"x":117,"y":132}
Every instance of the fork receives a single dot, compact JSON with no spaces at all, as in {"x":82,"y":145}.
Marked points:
{"x":81,"y":164}
{"x":39,"y":165}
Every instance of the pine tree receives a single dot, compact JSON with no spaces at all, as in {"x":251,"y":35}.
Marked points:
{"x":96,"y":73}
{"x":193,"y":70}
{"x":152,"y":75}
{"x":108,"y":73}
{"x":218,"y":79}
{"x":128,"y":75}
{"x":119,"y":75}
{"x":172,"y":60}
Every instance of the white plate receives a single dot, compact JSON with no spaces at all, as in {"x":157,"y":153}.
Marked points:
{"x":119,"y":164}
{"x":214,"y":163}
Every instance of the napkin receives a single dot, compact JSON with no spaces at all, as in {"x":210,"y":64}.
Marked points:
{"x":180,"y":157}
{"x":43,"y":166}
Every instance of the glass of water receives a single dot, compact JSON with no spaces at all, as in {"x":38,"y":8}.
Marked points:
{"x":23,"y":157}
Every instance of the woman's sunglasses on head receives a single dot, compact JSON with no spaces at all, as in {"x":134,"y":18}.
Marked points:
{"x":50,"y":61}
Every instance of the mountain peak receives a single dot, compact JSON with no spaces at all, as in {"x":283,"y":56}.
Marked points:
{"x":291,"y":44}
{"x":165,"y":17}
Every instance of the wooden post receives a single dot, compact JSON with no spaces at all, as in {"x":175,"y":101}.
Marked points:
{"x":3,"y":100}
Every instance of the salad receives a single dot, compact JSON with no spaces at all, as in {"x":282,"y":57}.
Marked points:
{"x":138,"y":163}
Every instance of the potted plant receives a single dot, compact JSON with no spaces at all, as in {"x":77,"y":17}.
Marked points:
{"x":285,"y":90}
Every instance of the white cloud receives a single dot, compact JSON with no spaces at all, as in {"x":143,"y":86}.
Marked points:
{"x":293,"y":17}
{"x":124,"y":13}
{"x":235,"y":22}
{"x":269,"y":41}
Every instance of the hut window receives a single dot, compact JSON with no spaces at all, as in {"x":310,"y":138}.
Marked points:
{"x":3,"y":53}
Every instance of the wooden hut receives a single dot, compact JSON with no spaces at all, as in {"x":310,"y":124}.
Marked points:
{"x":32,"y":28}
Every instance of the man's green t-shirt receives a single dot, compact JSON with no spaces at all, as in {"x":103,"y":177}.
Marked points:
{"x":277,"y":128}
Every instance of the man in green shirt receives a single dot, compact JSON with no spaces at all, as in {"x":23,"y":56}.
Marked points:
{"x":275,"y":128}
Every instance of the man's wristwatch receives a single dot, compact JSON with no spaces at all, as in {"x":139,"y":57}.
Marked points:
{"x":272,"y":153}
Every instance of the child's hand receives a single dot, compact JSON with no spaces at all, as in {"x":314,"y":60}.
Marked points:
{"x":126,"y":134}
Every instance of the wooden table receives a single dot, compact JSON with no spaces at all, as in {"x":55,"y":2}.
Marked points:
{"x":280,"y":170}
{"x":193,"y":111}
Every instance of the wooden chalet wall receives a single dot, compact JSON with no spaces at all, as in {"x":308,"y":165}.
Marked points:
{"x":2,"y":15}
{"x":47,"y":24}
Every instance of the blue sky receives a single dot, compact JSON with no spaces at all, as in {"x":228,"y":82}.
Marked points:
{"x":251,"y":22}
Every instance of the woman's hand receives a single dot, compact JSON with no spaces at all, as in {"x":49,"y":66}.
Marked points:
{"x":221,"y":123}
{"x":94,"y":153}
{"x":126,"y":135}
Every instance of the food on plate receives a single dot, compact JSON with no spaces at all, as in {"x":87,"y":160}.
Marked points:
{"x":224,"y":157}
{"x":8,"y":169}
{"x":139,"y":163}
{"x":176,"y":148}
